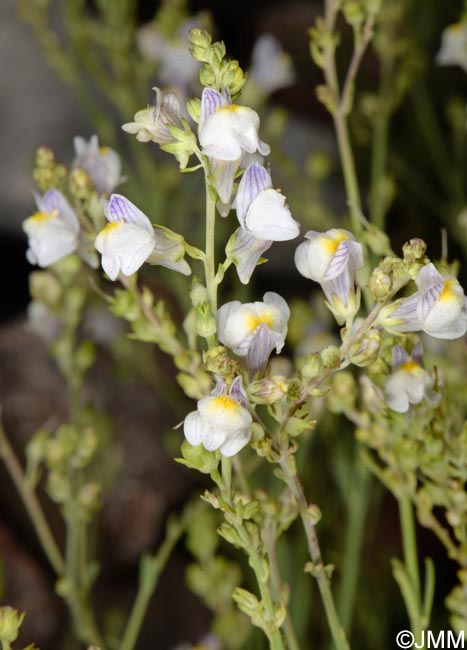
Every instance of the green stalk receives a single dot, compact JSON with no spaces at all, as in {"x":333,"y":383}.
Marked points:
{"x":357,"y":512}
{"x":32,"y":505}
{"x":151,"y":569}
{"x":319,"y":570}
{"x":409,"y":542}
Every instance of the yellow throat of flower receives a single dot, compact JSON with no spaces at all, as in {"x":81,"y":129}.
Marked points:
{"x":447,"y":293}
{"x":332,"y":244}
{"x":252,"y":321}
{"x":223,"y":402}
{"x":409,"y":366}
{"x":111,"y":226}
{"x":231,"y":108}
{"x":41,"y":217}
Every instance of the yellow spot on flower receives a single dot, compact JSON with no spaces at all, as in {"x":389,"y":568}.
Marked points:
{"x":332,"y":244}
{"x":447,"y":293}
{"x":223,"y":402}
{"x":455,"y":28}
{"x":39,"y":217}
{"x":410,"y":366}
{"x":112,"y":225}
{"x":232,"y":108}
{"x":252,"y":321}
{"x":103,"y":150}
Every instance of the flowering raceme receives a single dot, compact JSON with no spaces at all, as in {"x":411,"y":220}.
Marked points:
{"x":53,"y":231}
{"x":439,"y":307}
{"x":409,"y":383}
{"x":129,"y":240}
{"x":254,"y":329}
{"x":332,"y":258}
{"x":221,"y":420}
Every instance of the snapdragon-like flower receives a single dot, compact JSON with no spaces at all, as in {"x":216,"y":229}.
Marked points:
{"x":53,"y":231}
{"x":439,"y":307}
{"x":222,"y":420}
{"x":228,"y":134}
{"x":129,"y":240}
{"x":254,"y":329}
{"x":409,"y":383}
{"x":332,"y":258}
{"x":453,"y":49}
{"x":261,"y":210}
{"x":102,"y":164}
{"x":271,"y":67}
{"x":151,"y":123}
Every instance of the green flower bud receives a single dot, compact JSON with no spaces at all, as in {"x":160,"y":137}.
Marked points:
{"x":10,"y":622}
{"x":366,"y":350}
{"x":89,"y":497}
{"x":80,"y":184}
{"x":414,"y":249}
{"x":331,"y":357}
{"x":45,"y":157}
{"x":380,"y":284}
{"x":195,"y":386}
{"x":199,"y":38}
{"x":312,"y":368}
{"x":342,"y":394}
{"x":45,"y":287}
{"x":193,"y":106}
{"x":197,"y":457}
{"x":268,"y":390}
{"x":229,"y":533}
{"x":198,"y":293}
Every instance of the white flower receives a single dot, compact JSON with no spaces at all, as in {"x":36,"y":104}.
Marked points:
{"x":221,"y":420}
{"x":102,"y":164}
{"x":439,"y":307}
{"x":254,"y":329}
{"x":261,"y":210}
{"x":332,"y":258}
{"x":271,"y":68}
{"x":453,"y":49}
{"x":151,"y":123}
{"x":410,"y":383}
{"x":53,"y":231}
{"x":227,"y":134}
{"x":129,"y":240}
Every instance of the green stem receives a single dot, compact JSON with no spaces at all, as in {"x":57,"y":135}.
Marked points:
{"x":357,"y":512}
{"x":348,"y":168}
{"x":151,"y":570}
{"x":210,"y":259}
{"x":32,"y":505}
{"x":335,"y":626}
{"x":289,"y":631}
{"x":83,"y":618}
{"x":409,"y":541}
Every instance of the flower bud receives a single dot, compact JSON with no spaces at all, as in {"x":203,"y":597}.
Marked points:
{"x":10,"y":622}
{"x":197,"y":457}
{"x":193,"y":106}
{"x":331,"y":357}
{"x":312,"y":367}
{"x":268,"y":390}
{"x":414,"y":249}
{"x":45,"y":288}
{"x":366,"y":350}
{"x":380,"y":284}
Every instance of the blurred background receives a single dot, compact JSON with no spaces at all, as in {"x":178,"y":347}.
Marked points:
{"x":43,"y":103}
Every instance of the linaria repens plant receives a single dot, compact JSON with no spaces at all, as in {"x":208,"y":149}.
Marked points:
{"x":392,"y":371}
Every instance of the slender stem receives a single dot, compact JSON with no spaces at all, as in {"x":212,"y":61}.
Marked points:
{"x":409,"y":541}
{"x":289,"y":631}
{"x":335,"y":626}
{"x":83,"y":617}
{"x":210,"y":257}
{"x":226,"y":464}
{"x":32,"y":505}
{"x":358,"y":509}
{"x":151,"y":571}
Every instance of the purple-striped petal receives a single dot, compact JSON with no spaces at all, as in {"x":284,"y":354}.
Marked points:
{"x":120,"y":208}
{"x":211,"y":100}
{"x":254,"y":180}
